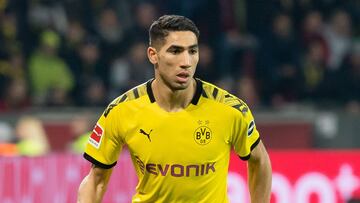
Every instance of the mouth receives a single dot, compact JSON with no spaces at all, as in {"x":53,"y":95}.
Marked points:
{"x":183,"y":76}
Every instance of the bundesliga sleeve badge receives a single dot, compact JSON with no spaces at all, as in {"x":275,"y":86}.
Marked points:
{"x":96,"y":135}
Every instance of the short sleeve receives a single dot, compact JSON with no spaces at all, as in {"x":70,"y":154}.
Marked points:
{"x":246,"y":136}
{"x":104,"y":144}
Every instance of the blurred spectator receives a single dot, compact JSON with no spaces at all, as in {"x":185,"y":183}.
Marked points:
{"x":144,"y":14}
{"x":280,"y":44}
{"x":111,"y":34}
{"x":312,"y":28}
{"x":90,"y":72}
{"x":247,"y":91}
{"x":94,"y":93}
{"x":81,"y":128}
{"x":124,"y":12}
{"x":48,"y":13}
{"x":15,"y":96}
{"x":313,"y":70}
{"x":7,"y":140}
{"x":6,"y":133}
{"x":130,"y":70}
{"x":206,"y":68}
{"x":86,"y":11}
{"x":32,"y":137}
{"x":50,"y":76}
{"x":202,"y":12}
{"x":236,"y":53}
{"x":109,"y":27}
{"x":348,"y":80}
{"x":279,"y":63}
{"x":257,"y":24}
{"x":338,"y":38}
{"x":277,"y":44}
{"x":227,"y":83}
{"x":287,"y":88}
{"x":237,"y":44}
{"x":73,"y":38}
{"x":119,"y":76}
{"x":8,"y":33}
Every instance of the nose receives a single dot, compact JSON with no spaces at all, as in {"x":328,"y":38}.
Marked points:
{"x":186,"y":61}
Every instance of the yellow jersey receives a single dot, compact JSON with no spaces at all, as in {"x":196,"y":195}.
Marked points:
{"x":178,"y":156}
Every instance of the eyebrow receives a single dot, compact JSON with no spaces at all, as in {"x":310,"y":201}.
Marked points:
{"x":181,"y":47}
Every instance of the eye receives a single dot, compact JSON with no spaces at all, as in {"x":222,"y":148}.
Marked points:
{"x":175,"y":51}
{"x":193,"y":51}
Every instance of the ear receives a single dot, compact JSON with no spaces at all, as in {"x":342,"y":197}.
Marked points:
{"x":152,"y":55}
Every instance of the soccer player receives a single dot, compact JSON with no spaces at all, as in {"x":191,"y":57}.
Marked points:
{"x":179,"y":130}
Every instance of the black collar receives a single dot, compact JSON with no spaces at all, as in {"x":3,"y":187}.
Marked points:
{"x":194,"y":100}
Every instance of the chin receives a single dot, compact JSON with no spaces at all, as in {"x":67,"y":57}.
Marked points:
{"x":182,"y":86}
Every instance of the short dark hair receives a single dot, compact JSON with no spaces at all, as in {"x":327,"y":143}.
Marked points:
{"x":160,"y":28}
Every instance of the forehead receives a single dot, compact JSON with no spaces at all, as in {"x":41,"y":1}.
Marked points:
{"x":180,"y":38}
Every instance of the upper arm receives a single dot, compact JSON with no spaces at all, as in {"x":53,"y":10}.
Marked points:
{"x":93,"y":187}
{"x":100,"y":175}
{"x":259,"y":154}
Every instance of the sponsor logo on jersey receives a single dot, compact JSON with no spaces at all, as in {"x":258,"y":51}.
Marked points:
{"x":251,"y":128}
{"x":145,"y":133}
{"x":96,"y":135}
{"x":176,"y":170}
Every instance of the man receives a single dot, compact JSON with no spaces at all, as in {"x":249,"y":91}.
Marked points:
{"x":179,"y":130}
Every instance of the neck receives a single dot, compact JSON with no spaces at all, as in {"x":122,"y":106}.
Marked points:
{"x":172,"y":100}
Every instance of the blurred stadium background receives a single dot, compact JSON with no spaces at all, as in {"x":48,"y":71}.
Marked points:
{"x":296,"y":63}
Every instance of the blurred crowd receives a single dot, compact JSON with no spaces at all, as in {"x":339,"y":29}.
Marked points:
{"x":269,"y":53}
{"x":30,"y":136}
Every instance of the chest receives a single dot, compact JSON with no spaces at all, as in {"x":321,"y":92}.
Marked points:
{"x":182,"y":137}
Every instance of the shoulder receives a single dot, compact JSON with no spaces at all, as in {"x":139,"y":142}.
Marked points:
{"x":223,"y":97}
{"x":133,"y":94}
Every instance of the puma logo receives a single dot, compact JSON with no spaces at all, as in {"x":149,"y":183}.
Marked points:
{"x":147,"y":134}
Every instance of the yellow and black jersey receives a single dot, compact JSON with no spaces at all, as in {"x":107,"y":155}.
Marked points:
{"x":178,"y":156}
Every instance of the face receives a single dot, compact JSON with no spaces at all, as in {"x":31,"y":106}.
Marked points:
{"x":175,"y":61}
